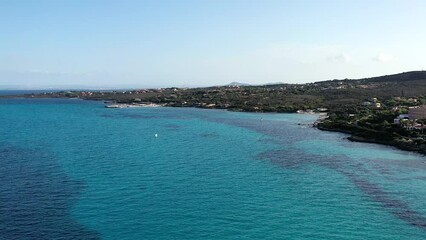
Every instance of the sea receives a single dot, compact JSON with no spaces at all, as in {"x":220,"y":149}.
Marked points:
{"x":73,"y":169}
{"x":20,"y":92}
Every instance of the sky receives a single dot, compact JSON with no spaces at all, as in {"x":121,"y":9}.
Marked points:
{"x":188,"y":43}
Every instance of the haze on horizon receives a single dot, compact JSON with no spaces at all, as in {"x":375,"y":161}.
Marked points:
{"x":131,"y":43}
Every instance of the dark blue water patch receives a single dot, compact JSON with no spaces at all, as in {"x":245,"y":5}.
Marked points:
{"x":117,"y":114}
{"x":129,"y":115}
{"x":394,"y":206}
{"x":172,"y":127}
{"x":268,"y":141}
{"x":43,"y":101}
{"x":422,"y":178}
{"x":408,"y":164}
{"x":287,"y":134}
{"x":36,"y":196}
{"x":208,"y":135}
{"x":146,"y":113}
{"x":296,"y":158}
{"x":353,"y":171}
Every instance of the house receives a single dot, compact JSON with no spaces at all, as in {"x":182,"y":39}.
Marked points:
{"x":398,"y":119}
{"x":418,"y":112}
{"x":322,"y":109}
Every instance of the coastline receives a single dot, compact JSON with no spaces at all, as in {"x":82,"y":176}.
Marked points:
{"x":133,"y":105}
{"x":135,"y":128}
{"x":361,"y":137}
{"x":355,"y":136}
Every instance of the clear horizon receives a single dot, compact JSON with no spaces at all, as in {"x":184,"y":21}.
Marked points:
{"x":141,"y":44}
{"x":133,"y":87}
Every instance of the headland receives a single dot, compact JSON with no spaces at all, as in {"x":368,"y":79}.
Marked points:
{"x":389,"y":110}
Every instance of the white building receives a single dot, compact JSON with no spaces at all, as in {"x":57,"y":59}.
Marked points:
{"x":398,"y":119}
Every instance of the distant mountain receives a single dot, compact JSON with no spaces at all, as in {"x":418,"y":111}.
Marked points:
{"x":238,"y":84}
{"x":274,"y":83}
{"x":399,"y":77}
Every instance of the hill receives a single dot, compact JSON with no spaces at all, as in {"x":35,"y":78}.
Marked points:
{"x":237,"y":84}
{"x":365,"y":108}
{"x":333,"y":94}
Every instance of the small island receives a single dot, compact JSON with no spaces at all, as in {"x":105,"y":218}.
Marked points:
{"x":388,"y":110}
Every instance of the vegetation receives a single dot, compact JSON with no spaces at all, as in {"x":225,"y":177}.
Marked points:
{"x":365,"y":108}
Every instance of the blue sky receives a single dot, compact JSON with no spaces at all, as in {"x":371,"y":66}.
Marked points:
{"x":104,"y":44}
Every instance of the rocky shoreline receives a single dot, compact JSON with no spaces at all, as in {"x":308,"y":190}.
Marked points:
{"x":360,"y":137}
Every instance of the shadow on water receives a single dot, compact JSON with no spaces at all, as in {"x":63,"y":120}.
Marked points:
{"x":287,"y":132}
{"x":130,"y":115}
{"x":142,"y":113}
{"x":172,"y":127}
{"x":353,"y":170}
{"x":36,"y":197}
{"x":209,"y":135}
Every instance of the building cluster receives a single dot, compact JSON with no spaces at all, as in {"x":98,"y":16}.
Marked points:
{"x":410,"y":120}
{"x":373,"y":102}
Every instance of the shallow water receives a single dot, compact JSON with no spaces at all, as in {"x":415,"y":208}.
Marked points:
{"x":74,"y":169}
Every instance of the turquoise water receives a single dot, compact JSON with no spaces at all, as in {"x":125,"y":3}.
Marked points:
{"x":73,"y":169}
